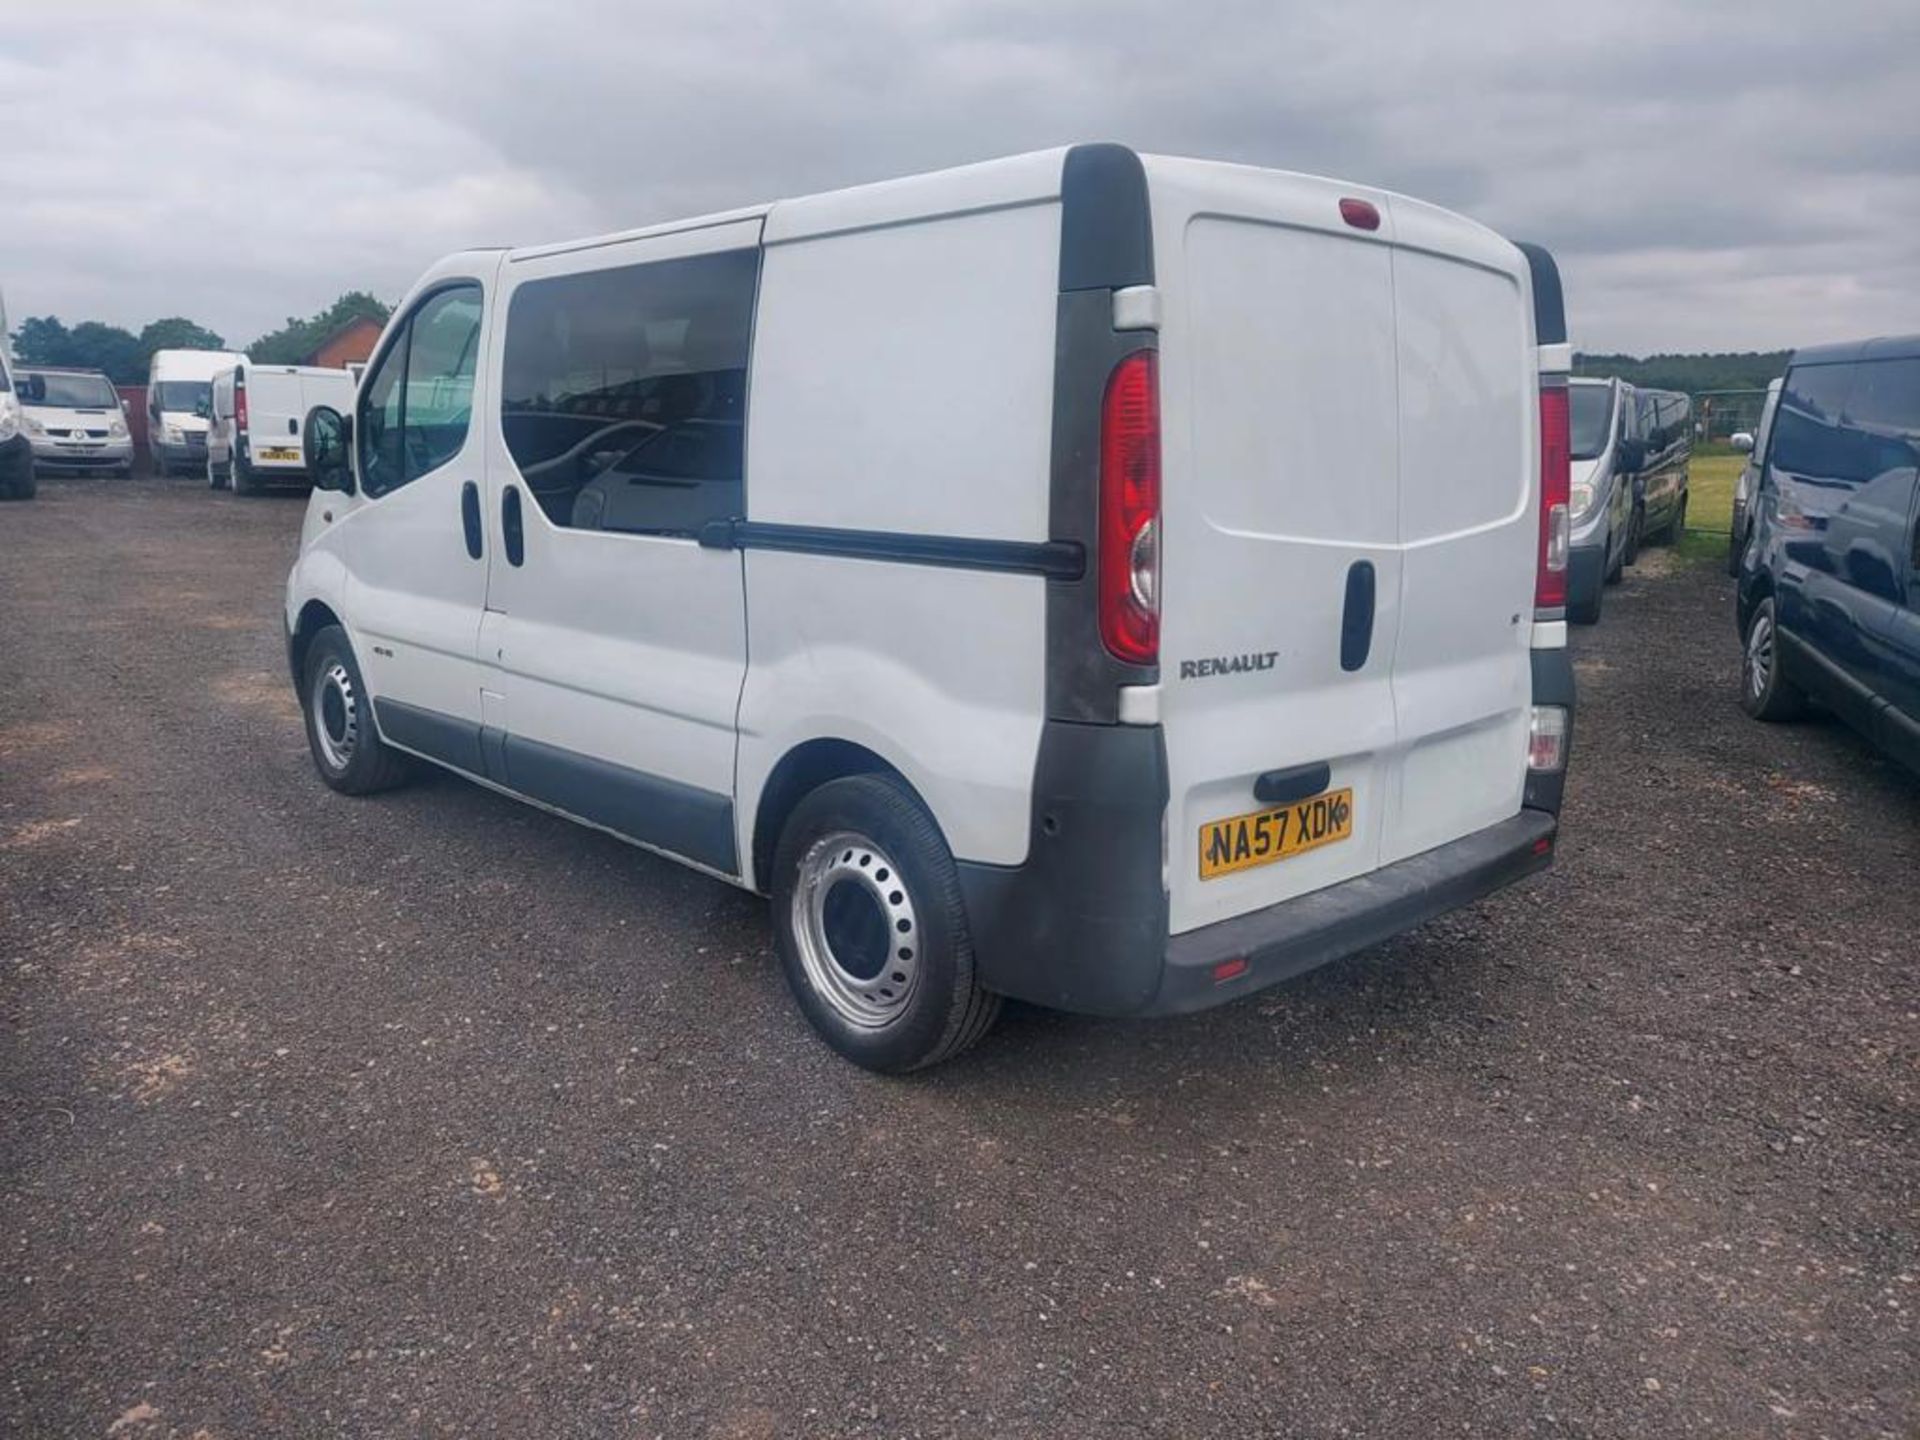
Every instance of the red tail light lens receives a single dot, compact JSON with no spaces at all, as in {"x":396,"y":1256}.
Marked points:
{"x":1129,"y":572}
{"x":1556,"y":495}
{"x":240,"y":406}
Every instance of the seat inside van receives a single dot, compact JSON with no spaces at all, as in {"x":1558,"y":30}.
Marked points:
{"x":623,"y":419}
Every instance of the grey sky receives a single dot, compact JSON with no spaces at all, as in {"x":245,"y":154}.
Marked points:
{"x":1712,"y":176}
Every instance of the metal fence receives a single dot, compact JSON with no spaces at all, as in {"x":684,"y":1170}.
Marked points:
{"x":1720,"y":413}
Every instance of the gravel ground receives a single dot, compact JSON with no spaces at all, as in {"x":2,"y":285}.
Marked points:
{"x":435,"y":1115}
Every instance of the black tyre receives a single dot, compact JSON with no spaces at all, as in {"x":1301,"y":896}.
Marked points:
{"x":1618,"y":569}
{"x":1636,"y":533}
{"x":871,"y":929}
{"x":214,"y":480}
{"x":347,"y":750}
{"x":1734,"y":547}
{"x":1765,"y":692}
{"x":240,"y":476}
{"x":1677,"y":526}
{"x":1586,"y":610}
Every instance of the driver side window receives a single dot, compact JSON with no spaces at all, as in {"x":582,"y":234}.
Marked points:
{"x":415,"y":407}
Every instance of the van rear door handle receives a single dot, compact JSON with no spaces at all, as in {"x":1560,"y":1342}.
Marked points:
{"x":1356,"y":620}
{"x":470,"y":517}
{"x":1283,"y":787}
{"x":510,"y":531}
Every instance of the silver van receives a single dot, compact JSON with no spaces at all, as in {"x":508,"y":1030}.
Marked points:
{"x":1603,"y":520}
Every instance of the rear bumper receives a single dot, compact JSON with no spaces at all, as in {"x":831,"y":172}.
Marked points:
{"x":1305,"y":933}
{"x":16,"y":458}
{"x":1082,"y":925}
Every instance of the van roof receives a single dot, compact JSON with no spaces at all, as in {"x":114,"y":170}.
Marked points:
{"x":193,"y":364}
{"x":61,"y":370}
{"x":998,"y":184}
{"x":1885,"y":347}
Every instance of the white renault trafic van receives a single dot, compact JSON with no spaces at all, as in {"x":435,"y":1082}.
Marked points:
{"x":253,"y":430}
{"x":1111,"y":581}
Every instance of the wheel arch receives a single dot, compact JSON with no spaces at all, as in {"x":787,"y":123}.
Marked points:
{"x":315,"y":616}
{"x":799,"y":772}
{"x":1747,"y":597}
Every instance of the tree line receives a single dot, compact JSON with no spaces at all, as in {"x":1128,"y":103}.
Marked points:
{"x":124,"y":356}
{"x":1744,"y":370}
{"x":44,"y":340}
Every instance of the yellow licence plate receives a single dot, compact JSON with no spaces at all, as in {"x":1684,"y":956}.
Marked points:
{"x":279,"y":452}
{"x":1243,"y":841}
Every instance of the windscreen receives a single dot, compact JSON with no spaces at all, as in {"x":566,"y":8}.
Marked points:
{"x":1592,"y":407}
{"x":68,"y":392}
{"x":189,"y":396}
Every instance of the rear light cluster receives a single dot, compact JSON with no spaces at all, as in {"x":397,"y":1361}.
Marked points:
{"x":1556,"y":487}
{"x":1129,"y":568}
{"x":1547,"y":739}
{"x":240,"y":406}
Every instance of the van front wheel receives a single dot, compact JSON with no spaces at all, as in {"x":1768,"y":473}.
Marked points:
{"x":347,"y":749}
{"x":1765,"y":692}
{"x":871,"y":929}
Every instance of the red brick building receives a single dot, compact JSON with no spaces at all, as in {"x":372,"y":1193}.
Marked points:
{"x":352,"y":343}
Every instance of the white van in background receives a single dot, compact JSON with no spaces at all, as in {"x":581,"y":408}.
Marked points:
{"x":179,"y":399}
{"x":1117,"y":582}
{"x":253,"y":433}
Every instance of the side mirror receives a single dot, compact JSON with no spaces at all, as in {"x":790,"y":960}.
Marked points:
{"x":1741,"y":441}
{"x":329,"y":443}
{"x":1631,"y":454}
{"x":203,"y":408}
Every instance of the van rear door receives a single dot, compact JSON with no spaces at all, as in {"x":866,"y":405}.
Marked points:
{"x":1348,"y":559}
{"x":274,"y":409}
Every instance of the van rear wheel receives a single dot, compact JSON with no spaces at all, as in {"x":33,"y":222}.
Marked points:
{"x":871,"y":929}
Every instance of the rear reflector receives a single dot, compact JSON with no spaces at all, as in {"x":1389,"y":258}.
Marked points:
{"x":1360,"y":214}
{"x":1129,"y":575}
{"x":1547,"y":739}
{"x":1230,"y":969}
{"x":1556,"y":495}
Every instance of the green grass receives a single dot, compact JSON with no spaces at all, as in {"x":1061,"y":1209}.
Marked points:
{"x":1710,"y":479}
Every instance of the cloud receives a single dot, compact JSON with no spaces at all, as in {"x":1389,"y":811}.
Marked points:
{"x":1715,"y":175}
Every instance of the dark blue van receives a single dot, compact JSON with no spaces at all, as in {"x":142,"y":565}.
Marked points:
{"x":1829,"y":595}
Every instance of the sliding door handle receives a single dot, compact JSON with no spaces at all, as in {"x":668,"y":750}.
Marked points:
{"x":511,"y":533}
{"x":470,"y":517}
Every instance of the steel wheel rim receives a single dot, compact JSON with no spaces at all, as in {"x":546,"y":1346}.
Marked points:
{"x":1760,"y":654}
{"x":856,"y":930}
{"x":336,"y":715}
